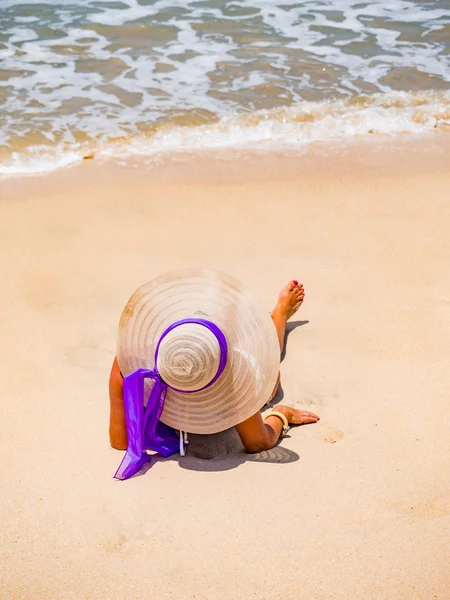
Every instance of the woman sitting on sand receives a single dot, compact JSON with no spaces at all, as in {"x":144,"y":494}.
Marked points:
{"x":204,"y":352}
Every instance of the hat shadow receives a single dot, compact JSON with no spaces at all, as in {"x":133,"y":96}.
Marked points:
{"x":291,"y":325}
{"x":279,"y":395}
{"x":221,"y":452}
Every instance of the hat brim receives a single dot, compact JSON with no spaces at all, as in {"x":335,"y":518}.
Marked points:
{"x":253,"y":348}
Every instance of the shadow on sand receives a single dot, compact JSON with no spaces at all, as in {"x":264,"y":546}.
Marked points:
{"x":220,"y":452}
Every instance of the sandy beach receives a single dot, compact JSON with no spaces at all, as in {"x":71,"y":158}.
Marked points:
{"x":354,"y":507}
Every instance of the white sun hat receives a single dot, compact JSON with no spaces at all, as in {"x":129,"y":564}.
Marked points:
{"x":210,"y":341}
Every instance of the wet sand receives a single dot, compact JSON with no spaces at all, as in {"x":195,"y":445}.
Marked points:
{"x":356,"y":506}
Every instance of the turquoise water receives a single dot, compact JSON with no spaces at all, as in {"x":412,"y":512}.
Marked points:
{"x":148,"y":77}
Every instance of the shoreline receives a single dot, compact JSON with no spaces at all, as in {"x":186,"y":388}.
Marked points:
{"x":383,"y":156}
{"x":353,"y":506}
{"x":295,"y":127}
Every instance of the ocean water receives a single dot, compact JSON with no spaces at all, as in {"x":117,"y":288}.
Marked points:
{"x":117,"y":78}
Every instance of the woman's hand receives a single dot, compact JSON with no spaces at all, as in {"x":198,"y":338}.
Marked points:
{"x":258,"y":435}
{"x":296,"y":416}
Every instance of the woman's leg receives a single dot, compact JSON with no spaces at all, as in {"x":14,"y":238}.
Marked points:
{"x":258,"y":435}
{"x":289,"y":301}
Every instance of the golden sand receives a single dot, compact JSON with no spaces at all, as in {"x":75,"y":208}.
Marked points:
{"x":355,"y":506}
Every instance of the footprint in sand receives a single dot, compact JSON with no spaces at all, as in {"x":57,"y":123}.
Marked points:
{"x":331,"y":436}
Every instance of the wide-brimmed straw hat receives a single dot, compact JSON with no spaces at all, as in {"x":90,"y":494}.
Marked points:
{"x":211,"y":343}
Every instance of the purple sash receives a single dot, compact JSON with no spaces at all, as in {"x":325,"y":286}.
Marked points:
{"x":144,"y":429}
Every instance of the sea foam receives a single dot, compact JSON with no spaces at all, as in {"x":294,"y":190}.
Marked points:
{"x":292,"y":127}
{"x":151,"y":77}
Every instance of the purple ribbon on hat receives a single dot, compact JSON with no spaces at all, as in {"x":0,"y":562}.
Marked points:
{"x":144,"y":429}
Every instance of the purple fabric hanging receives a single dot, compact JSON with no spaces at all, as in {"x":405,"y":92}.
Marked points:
{"x":144,"y":429}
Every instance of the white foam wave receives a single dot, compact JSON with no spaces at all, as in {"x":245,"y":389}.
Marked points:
{"x":295,"y":126}
{"x":41,"y":160}
{"x":207,"y":55}
{"x":291,"y":127}
{"x":101,"y":70}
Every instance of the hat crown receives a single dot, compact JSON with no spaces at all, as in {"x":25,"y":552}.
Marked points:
{"x":188,"y":357}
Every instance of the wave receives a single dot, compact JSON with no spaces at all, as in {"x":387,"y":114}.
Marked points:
{"x":291,"y":127}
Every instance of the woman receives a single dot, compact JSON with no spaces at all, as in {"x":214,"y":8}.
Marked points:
{"x":224,"y":330}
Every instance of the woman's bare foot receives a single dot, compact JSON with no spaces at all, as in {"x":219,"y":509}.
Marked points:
{"x":289,"y":300}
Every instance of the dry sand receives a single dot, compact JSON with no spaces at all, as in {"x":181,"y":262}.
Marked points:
{"x":355,"y":507}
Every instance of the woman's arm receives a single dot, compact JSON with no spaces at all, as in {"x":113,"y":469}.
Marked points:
{"x":258,"y":435}
{"x":117,"y":423}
